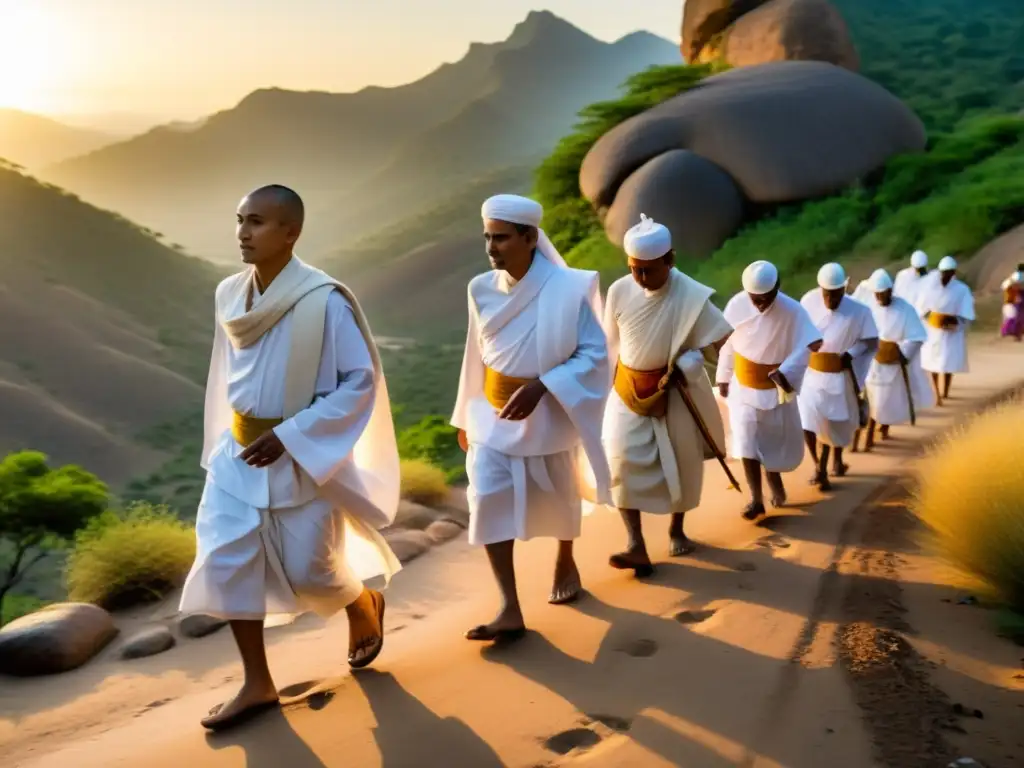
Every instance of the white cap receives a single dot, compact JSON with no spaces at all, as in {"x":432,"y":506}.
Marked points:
{"x":760,"y":277}
{"x":647,"y":240}
{"x":1017,"y":277}
{"x":514,"y":209}
{"x":880,"y":281}
{"x":831,"y":277}
{"x":948,"y":264}
{"x":919,"y":260}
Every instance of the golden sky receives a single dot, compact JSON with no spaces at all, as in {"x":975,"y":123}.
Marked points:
{"x":181,"y":59}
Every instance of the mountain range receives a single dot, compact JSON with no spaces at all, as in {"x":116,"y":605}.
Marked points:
{"x":35,"y":142}
{"x":363,"y":160}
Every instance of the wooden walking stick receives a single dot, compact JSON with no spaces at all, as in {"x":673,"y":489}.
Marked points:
{"x":705,"y":433}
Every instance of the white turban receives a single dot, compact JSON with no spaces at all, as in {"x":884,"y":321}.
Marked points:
{"x":879,"y":282}
{"x":919,"y":260}
{"x":760,"y":277}
{"x":948,"y":264}
{"x":832,"y":277}
{"x":647,"y":240}
{"x":516,"y":209}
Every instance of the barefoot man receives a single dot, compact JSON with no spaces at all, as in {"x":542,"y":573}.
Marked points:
{"x":947,"y":307}
{"x":909,"y":280}
{"x":299,"y":449}
{"x":760,"y":370}
{"x":658,"y":320}
{"x":534,"y":382}
{"x":828,"y":401}
{"x":897,"y":386}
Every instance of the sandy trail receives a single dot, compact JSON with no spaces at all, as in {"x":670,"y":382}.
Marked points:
{"x":723,"y":658}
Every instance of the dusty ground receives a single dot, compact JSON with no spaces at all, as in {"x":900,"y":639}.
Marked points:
{"x":819,"y":638}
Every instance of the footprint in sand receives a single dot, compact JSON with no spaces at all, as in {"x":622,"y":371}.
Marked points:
{"x":575,"y":738}
{"x":693,"y":617}
{"x":614,"y":722}
{"x":641,"y":648}
{"x":304,"y":695}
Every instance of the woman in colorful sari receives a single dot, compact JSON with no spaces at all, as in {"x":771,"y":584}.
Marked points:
{"x":1013,"y":304}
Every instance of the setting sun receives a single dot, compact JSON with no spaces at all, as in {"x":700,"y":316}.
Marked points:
{"x":33,"y":52}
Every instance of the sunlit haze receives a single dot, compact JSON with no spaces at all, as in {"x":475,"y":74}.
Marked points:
{"x":181,"y":60}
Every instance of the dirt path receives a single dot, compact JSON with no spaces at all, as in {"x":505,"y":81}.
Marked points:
{"x":764,"y":649}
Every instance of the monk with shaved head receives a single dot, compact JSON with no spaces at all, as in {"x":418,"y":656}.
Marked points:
{"x":300,"y":454}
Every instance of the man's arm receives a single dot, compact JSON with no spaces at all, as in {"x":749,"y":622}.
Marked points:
{"x":321,"y":437}
{"x":216,"y":410}
{"x":585,"y":375}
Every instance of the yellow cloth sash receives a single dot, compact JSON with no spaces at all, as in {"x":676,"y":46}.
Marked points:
{"x":753,"y":375}
{"x":936,"y":319}
{"x":248,"y":429}
{"x":499,"y":388}
{"x":639,"y":389}
{"x":826,"y":362}
{"x":888,"y":353}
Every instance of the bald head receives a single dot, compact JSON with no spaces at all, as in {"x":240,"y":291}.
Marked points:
{"x":270,"y":221}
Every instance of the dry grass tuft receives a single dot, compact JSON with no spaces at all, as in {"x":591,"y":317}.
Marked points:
{"x":423,"y":483}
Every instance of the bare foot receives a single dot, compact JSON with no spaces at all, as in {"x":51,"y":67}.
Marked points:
{"x":633,"y":559}
{"x":508,"y":625}
{"x":679,"y":545}
{"x":567,"y":585}
{"x":365,"y":628}
{"x":778,"y":490}
{"x":249,"y":701}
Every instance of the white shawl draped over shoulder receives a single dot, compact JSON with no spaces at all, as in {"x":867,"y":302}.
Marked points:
{"x":369,"y":495}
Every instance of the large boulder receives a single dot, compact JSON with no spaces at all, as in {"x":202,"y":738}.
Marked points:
{"x":788,"y":30}
{"x":995,"y":262}
{"x":783,"y":131}
{"x":693,"y":197}
{"x":703,"y":19}
{"x":57,"y":638}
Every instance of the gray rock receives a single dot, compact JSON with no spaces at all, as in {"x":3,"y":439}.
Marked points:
{"x":148,"y":642}
{"x":407,"y":545}
{"x":784,"y":131}
{"x":441,"y":531}
{"x":693,"y":197}
{"x":57,"y":638}
{"x":414,"y":516}
{"x":199,"y":625}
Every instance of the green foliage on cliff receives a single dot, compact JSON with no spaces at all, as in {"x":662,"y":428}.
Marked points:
{"x":947,"y":59}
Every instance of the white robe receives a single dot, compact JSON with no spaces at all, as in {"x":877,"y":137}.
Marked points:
{"x":525,"y":476}
{"x":275,"y":541}
{"x":908,"y":284}
{"x":887,"y":389}
{"x":863,"y":292}
{"x":945,"y":351}
{"x":657,"y":465}
{"x":762,"y":427}
{"x":828,"y":401}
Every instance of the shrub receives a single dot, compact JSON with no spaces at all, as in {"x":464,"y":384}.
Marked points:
{"x":136,"y":556}
{"x":970,"y":499}
{"x":436,"y":442}
{"x":423,"y":483}
{"x":16,"y":606}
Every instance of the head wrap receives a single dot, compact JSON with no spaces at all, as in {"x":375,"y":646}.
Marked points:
{"x":880,"y":281}
{"x":948,"y":264}
{"x":919,"y":260}
{"x":760,"y":277}
{"x":516,"y":209}
{"x":1017,"y":276}
{"x":647,"y":240}
{"x":832,"y":277}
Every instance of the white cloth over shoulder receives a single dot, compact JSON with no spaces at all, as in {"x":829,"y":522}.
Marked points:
{"x":337,"y":481}
{"x":657,"y":463}
{"x":888,"y":397}
{"x":761,"y":427}
{"x":945,"y":351}
{"x":828,"y":401}
{"x":908,"y":283}
{"x":542,"y":327}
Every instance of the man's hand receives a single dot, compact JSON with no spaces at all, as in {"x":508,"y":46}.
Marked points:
{"x":524,"y":401}
{"x":267,"y":449}
{"x":463,"y":441}
{"x":903,"y":358}
{"x":670,"y":379}
{"x":950,"y":322}
{"x":847,"y":359}
{"x":723,"y":390}
{"x":780,"y":380}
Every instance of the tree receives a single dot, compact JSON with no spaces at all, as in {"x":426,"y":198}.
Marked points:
{"x":41,"y":509}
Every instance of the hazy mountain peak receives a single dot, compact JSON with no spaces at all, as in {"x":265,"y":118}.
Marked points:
{"x":542,"y":26}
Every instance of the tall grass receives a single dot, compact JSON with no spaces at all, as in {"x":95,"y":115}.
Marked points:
{"x":971,"y":497}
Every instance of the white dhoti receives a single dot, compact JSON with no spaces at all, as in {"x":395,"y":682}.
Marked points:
{"x":771,"y":436}
{"x":512,"y":497}
{"x":945,"y":350}
{"x":251,"y":562}
{"x":833,"y":417}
